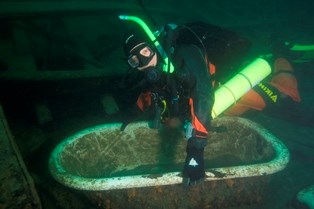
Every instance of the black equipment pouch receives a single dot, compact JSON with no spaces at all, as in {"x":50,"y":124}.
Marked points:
{"x":269,"y":93}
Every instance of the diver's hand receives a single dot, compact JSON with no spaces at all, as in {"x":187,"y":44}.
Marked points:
{"x":193,"y":171}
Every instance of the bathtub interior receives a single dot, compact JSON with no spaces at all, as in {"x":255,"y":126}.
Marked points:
{"x":106,"y":152}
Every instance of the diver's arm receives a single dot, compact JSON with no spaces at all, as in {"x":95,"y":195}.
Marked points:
{"x":198,"y":81}
{"x":202,"y":93}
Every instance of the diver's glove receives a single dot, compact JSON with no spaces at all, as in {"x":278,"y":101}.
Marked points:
{"x":193,"y":170}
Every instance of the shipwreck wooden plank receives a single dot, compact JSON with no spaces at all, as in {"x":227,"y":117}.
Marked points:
{"x":17,"y":188}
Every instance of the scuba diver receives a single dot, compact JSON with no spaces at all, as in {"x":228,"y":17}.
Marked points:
{"x":203,"y":56}
{"x":186,"y":96}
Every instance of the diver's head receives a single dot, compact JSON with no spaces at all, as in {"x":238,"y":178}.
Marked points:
{"x":140,"y":54}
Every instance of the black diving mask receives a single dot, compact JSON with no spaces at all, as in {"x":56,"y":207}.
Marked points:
{"x":141,"y":55}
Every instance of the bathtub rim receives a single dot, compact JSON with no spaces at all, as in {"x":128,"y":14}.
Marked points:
{"x":278,"y":163}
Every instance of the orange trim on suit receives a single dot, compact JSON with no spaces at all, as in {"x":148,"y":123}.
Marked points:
{"x":197,"y":125}
{"x":144,"y":101}
{"x":284,"y":81}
